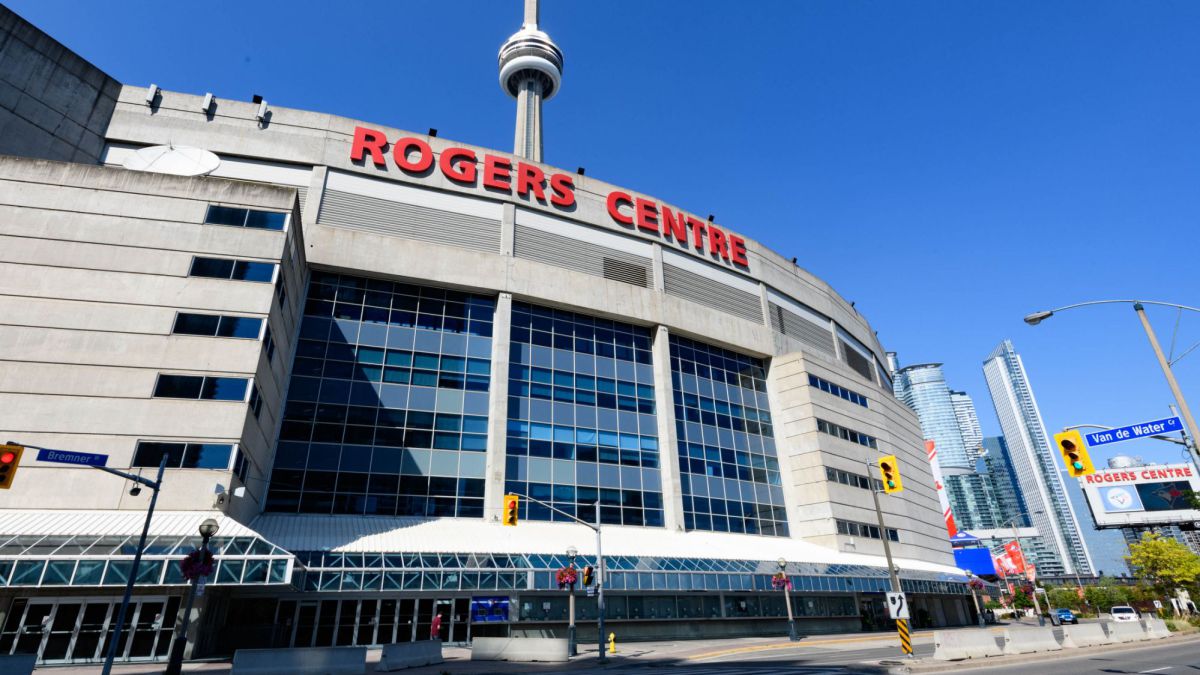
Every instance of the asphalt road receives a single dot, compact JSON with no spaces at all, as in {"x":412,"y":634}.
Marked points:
{"x":1169,"y":659}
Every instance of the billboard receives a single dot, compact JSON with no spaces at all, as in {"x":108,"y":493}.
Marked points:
{"x":977,"y":561}
{"x":1144,"y":495}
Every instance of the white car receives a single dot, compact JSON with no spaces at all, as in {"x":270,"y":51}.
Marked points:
{"x":1123,"y":613}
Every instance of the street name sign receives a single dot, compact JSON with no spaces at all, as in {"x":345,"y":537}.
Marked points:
{"x":77,"y":458}
{"x":897,"y":606}
{"x":1155,"y":428}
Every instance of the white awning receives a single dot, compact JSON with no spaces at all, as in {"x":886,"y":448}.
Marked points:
{"x":22,"y":522}
{"x":377,"y":534}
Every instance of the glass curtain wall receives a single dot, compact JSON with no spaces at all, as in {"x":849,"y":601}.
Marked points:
{"x":387,"y":408}
{"x":581,"y":418}
{"x":729,"y":469}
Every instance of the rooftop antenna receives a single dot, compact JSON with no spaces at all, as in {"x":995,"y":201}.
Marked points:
{"x":531,"y":68}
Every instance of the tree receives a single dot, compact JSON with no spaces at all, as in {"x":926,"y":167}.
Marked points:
{"x":1063,"y":597}
{"x":1103,"y":597}
{"x":1164,"y":561}
{"x":1021,"y":599}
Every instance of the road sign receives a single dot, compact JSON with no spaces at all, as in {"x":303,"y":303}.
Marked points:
{"x":77,"y":458}
{"x":1155,"y":428}
{"x":897,"y":606}
{"x":905,"y":636}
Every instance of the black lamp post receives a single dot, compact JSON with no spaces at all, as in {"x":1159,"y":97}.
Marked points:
{"x":207,"y":529}
{"x":571,"y":553}
{"x":787,"y":599}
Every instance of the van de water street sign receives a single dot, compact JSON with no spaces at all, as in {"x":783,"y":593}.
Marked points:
{"x":1133,"y":431}
{"x":76,"y":458}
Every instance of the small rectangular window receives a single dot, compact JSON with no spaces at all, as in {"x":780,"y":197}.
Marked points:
{"x":238,"y":270}
{"x":252,"y":218}
{"x":255,"y":401}
{"x":211,"y":325}
{"x":199,"y":387}
{"x":269,"y":345}
{"x":183,"y":455}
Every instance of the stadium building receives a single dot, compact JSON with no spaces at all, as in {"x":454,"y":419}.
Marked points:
{"x":348,"y":342}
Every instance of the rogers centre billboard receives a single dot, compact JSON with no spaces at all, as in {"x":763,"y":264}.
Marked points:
{"x":1144,"y":495}
{"x":500,"y":174}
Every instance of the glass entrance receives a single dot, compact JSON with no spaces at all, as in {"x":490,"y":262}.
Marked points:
{"x":79,"y":630}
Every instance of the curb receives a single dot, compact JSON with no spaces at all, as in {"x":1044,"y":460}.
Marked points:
{"x":932,"y":666}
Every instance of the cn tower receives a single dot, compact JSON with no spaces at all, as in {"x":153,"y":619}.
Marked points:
{"x":530,"y":71}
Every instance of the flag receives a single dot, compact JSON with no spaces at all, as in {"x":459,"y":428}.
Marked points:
{"x":1013,"y":550}
{"x":943,"y":498}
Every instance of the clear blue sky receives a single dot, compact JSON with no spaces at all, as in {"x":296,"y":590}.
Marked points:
{"x":948,"y":166}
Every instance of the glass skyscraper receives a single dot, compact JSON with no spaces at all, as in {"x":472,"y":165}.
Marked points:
{"x":1036,"y":466}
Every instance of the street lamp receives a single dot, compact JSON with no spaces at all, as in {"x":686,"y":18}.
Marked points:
{"x":1038,"y":317}
{"x":1017,"y":540}
{"x":175,"y":665}
{"x":787,"y":599}
{"x":571,"y":553}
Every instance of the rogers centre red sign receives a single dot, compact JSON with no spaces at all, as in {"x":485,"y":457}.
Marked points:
{"x":463,"y":166}
{"x":1147,"y":474}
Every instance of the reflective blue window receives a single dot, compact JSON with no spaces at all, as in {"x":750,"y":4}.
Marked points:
{"x":387,"y":407}
{"x":728,"y":465}
{"x":581,"y":420}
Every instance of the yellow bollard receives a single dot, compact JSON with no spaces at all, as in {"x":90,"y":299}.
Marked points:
{"x":612,"y":643}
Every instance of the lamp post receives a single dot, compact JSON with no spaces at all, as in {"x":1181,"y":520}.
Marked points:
{"x":974,"y":584}
{"x":787,"y":599}
{"x":175,"y":665}
{"x":1138,"y":306}
{"x":571,"y":553}
{"x":1037,"y":607}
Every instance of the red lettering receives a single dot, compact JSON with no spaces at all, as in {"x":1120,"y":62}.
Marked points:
{"x":716,"y":242}
{"x":424,"y":155}
{"x":497,"y":173}
{"x":698,"y":231}
{"x":368,"y":140}
{"x":647,"y":215}
{"x":674,"y":225}
{"x":563,"y":187}
{"x":615,"y":200}
{"x":462,"y":172}
{"x":737,"y":250}
{"x":531,"y":179}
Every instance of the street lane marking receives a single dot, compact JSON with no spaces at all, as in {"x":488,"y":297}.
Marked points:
{"x":1155,"y":670}
{"x":801,"y":643}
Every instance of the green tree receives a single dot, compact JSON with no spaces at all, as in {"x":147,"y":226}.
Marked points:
{"x":1021,"y":599}
{"x":1064,"y":597}
{"x":1103,"y":597}
{"x":1164,"y":562}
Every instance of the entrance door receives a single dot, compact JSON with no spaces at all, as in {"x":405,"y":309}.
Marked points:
{"x":79,"y":630}
{"x":460,"y":626}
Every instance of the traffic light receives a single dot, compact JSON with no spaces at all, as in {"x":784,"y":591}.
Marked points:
{"x":510,"y":509}
{"x":1074,"y":453}
{"x":889,"y":470}
{"x":10,"y":460}
{"x":589,"y":575}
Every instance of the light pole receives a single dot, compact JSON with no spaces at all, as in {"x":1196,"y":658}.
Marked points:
{"x":901,"y":624}
{"x":787,"y":600}
{"x":1017,"y":540}
{"x":175,"y":665}
{"x":1138,"y":306}
{"x":571,"y":553}
{"x":975,"y":598}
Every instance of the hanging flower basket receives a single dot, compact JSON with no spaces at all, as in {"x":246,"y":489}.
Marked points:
{"x":781,"y":581}
{"x":198,"y":563}
{"x":975,"y":585}
{"x":566,"y":577}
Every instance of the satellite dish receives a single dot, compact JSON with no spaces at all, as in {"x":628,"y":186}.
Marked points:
{"x":177,"y":160}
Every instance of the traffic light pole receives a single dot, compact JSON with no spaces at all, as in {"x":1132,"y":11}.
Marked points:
{"x":1184,"y":410}
{"x":600,"y":657}
{"x":154,"y":486}
{"x":901,"y":624}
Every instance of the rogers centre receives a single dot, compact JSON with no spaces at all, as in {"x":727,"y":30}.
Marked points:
{"x":348,"y":342}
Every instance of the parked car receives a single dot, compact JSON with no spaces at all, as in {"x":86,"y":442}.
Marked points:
{"x":1064,"y":615}
{"x":1123,"y":613}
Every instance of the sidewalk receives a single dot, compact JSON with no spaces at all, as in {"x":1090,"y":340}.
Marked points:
{"x":690,"y":652}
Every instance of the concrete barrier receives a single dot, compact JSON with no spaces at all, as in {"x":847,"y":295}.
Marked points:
{"x":1030,"y":640}
{"x":1155,"y":627}
{"x":519,"y":649}
{"x":1126,"y":631}
{"x":301,"y":661}
{"x":968,"y":643}
{"x":409,"y":655}
{"x":1084,"y":635}
{"x":17,"y":664}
